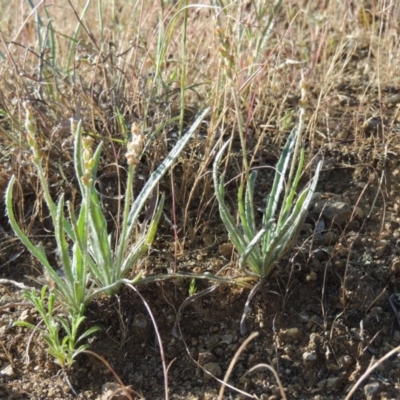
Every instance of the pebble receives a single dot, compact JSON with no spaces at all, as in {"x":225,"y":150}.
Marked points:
{"x":205,"y":357}
{"x":311,"y":277}
{"x":359,"y":212}
{"x":329,"y":238}
{"x":291,"y":335}
{"x":371,"y":391}
{"x":109,"y":390}
{"x":339,"y":211}
{"x":329,"y":383}
{"x":214,"y":369}
{"x":227,"y":339}
{"x":7,"y":371}
{"x":140,"y":321}
{"x":395,"y":265}
{"x":309,"y":356}
{"x":211,"y":342}
{"x":226,"y":250}
{"x":345,"y":361}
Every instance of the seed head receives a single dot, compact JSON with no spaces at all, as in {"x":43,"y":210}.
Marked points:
{"x":135,"y":145}
{"x":303,"y":90}
{"x":30,"y":126}
{"x":88,"y":161}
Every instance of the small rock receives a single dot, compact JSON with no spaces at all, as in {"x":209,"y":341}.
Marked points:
{"x":112,"y":391}
{"x":393,"y":99}
{"x":214,"y":369}
{"x":140,"y":320}
{"x":309,"y":356}
{"x":372,"y":390}
{"x":345,"y":361}
{"x":332,"y":366}
{"x":7,"y":371}
{"x":316,"y":264}
{"x":359,"y":213}
{"x":321,"y":254}
{"x":227,"y":339}
{"x":290,"y":350}
{"x":331,"y":207}
{"x":395,"y":265}
{"x":291,"y":335}
{"x":329,"y":238}
{"x":205,"y":357}
{"x":330,"y":383}
{"x":226,"y":250}
{"x":311,"y":277}
{"x":373,"y":125}
{"x":211,"y":342}
{"x":52,"y":393}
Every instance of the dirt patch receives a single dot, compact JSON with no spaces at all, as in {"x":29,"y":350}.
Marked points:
{"x":331,"y":307}
{"x":324,"y":316}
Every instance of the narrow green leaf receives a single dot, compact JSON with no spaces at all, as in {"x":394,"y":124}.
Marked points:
{"x":234,"y":233}
{"x":36,"y":251}
{"x":25,"y":324}
{"x":100,"y":246}
{"x":242,"y":213}
{"x":161,"y":170}
{"x":249,"y":203}
{"x":88,"y":333}
{"x":62,"y":245}
{"x":151,"y":184}
{"x":249,"y":250}
{"x":289,"y":199}
{"x":279,"y":179}
{"x":155,"y":220}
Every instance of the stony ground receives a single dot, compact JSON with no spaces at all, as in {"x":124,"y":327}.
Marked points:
{"x":330,"y":310}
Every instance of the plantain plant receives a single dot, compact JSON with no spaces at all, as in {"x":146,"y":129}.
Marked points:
{"x":93,"y":266}
{"x":261,"y":248}
{"x":64,"y":350}
{"x":89,"y":265}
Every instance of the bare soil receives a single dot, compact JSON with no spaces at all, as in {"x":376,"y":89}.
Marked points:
{"x":329,"y":311}
{"x":326,"y":314}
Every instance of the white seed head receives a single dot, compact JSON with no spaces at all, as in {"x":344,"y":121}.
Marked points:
{"x":135,"y":145}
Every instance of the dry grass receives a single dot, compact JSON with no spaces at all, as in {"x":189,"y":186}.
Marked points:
{"x":124,"y":62}
{"x":112,"y":63}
